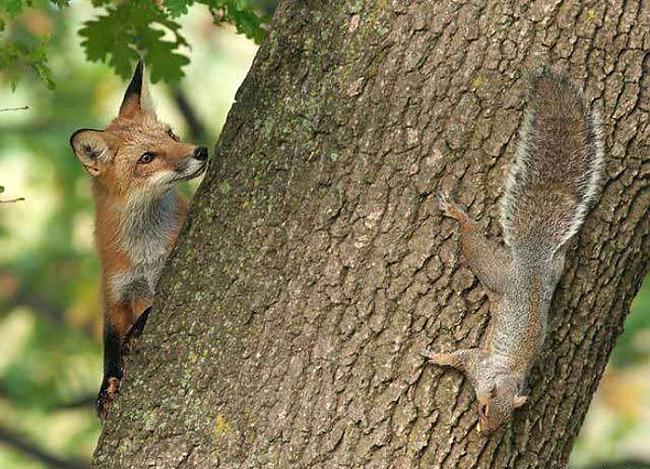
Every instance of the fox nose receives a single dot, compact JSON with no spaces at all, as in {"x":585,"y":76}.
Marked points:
{"x":201,"y":153}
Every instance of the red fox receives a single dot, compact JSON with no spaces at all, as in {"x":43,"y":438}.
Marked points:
{"x":134,"y":163}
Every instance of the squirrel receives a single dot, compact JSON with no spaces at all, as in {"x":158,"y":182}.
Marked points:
{"x":548,"y":190}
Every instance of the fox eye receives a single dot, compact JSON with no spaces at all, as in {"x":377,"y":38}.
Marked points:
{"x":173,"y":136}
{"x":147,"y":157}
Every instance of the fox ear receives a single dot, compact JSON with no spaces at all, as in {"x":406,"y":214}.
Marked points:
{"x":136,"y":99}
{"x":519,"y":401}
{"x":91,"y":148}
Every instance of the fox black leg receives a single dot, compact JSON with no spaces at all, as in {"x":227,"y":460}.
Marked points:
{"x":112,"y":371}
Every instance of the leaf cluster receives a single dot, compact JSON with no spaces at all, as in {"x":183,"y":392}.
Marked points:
{"x":237,"y":12}
{"x":121,"y":33}
{"x":20,"y":51}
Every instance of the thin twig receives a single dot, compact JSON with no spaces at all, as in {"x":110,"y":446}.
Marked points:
{"x":80,"y":401}
{"x":11,"y":201}
{"x":5,"y":109}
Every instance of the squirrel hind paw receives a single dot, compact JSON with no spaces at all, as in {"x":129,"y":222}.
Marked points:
{"x":450,"y":209}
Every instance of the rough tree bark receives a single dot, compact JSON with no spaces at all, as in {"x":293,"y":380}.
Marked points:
{"x":315,"y":265}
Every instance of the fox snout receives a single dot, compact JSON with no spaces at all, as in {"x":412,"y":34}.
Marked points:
{"x":193,"y":165}
{"x":198,"y":162}
{"x":201,"y":153}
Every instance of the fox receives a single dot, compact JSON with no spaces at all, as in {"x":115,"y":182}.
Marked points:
{"x":135,"y":164}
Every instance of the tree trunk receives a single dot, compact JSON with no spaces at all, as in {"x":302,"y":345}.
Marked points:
{"x":315,"y":265}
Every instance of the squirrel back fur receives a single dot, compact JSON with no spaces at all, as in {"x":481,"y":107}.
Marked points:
{"x":553,"y":179}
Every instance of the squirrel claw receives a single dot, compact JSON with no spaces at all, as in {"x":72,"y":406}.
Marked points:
{"x":443,"y":204}
{"x":433,"y":357}
{"x":106,"y":397}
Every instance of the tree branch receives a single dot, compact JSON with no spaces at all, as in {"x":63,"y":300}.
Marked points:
{"x":11,"y":201}
{"x":14,"y":440}
{"x":197,"y":129}
{"x":83,"y":400}
{"x":87,"y":400}
{"x":6,"y":109}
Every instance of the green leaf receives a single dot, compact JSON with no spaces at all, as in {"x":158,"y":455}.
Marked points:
{"x":239,"y":13}
{"x":248,"y":23}
{"x":16,"y":56}
{"x":164,"y":63}
{"x":108,"y":39}
{"x":177,"y":8}
{"x":12,"y":7}
{"x":2,"y":189}
{"x":38,"y":63}
{"x":123,"y":32}
{"x":131,"y":30}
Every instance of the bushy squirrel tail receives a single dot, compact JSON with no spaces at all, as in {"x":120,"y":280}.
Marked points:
{"x":556,"y":171}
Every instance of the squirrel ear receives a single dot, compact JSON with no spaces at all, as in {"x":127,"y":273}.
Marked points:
{"x":136,"y":98}
{"x":91,"y":148}
{"x":519,"y":401}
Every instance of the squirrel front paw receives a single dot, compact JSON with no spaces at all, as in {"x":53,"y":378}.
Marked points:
{"x":441,"y":359}
{"x":463,"y":359}
{"x":106,"y":396}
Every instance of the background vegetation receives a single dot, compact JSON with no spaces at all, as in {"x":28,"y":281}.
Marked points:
{"x":65,"y":63}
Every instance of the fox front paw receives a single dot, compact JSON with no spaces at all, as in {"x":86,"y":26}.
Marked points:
{"x":134,"y":333}
{"x":106,"y":397}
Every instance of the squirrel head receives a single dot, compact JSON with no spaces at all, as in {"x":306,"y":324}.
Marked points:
{"x":496,"y":404}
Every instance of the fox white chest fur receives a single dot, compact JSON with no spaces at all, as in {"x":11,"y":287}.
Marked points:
{"x":148,"y":230}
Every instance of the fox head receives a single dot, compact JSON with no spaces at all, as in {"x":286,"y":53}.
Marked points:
{"x":137,"y":152}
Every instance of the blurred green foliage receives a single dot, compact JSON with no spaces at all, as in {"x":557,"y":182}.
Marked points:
{"x":47,"y":279}
{"x":121,"y":33}
{"x":633,"y":346}
{"x":20,"y":48}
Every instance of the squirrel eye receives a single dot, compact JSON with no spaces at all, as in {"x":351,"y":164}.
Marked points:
{"x":173,"y":136}
{"x":147,"y":157}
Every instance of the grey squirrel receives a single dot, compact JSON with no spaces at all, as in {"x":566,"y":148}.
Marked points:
{"x":548,"y":190}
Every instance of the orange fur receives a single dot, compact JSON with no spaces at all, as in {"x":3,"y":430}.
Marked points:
{"x":135,"y":164}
